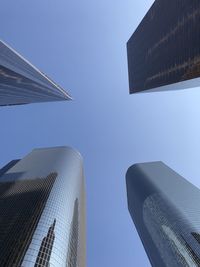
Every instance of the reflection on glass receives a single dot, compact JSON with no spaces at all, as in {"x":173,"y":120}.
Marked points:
{"x":46,"y":248}
{"x":21,"y":205}
{"x":73,"y":240}
{"x":167,"y":232}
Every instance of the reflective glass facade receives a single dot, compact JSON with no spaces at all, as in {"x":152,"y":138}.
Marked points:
{"x":22,"y":83}
{"x":165,"y":48}
{"x":165,"y":210}
{"x":42,"y":210}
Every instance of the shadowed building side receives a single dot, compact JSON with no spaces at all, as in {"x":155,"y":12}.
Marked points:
{"x":164,"y":51}
{"x":8,"y":166}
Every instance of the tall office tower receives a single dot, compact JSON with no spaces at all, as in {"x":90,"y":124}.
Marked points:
{"x":164,"y":51}
{"x":42,"y":210}
{"x":22,"y":83}
{"x":165,"y":209}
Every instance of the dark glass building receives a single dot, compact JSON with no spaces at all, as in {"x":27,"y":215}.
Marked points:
{"x":42,"y":210}
{"x":165,"y":210}
{"x":165,"y":48}
{"x":22,"y":83}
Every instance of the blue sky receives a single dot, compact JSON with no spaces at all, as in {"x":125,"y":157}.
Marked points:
{"x":82,"y":46}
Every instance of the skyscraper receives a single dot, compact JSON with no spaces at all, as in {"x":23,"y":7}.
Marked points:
{"x":165,"y":210}
{"x":22,"y":83}
{"x":42,"y":210}
{"x":164,"y":51}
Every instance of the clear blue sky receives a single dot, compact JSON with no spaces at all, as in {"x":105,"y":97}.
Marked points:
{"x":82,"y":46}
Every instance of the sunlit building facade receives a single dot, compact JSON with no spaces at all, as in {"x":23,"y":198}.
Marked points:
{"x":164,"y":51}
{"x":42,"y":210}
{"x":22,"y":83}
{"x":165,"y":210}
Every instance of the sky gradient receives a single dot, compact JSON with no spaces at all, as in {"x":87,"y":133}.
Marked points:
{"x":82,"y":46}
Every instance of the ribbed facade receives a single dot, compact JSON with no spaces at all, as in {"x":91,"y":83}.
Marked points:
{"x":22,"y":83}
{"x":165,"y":209}
{"x":165,"y":48}
{"x":42,"y":210}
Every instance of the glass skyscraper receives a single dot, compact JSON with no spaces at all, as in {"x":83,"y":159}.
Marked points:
{"x":165,"y":210}
{"x":42,"y":210}
{"x":165,"y":48}
{"x":22,"y":83}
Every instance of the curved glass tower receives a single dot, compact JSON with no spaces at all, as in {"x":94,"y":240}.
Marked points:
{"x":165,"y":210}
{"x":22,"y":83}
{"x":42,"y":210}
